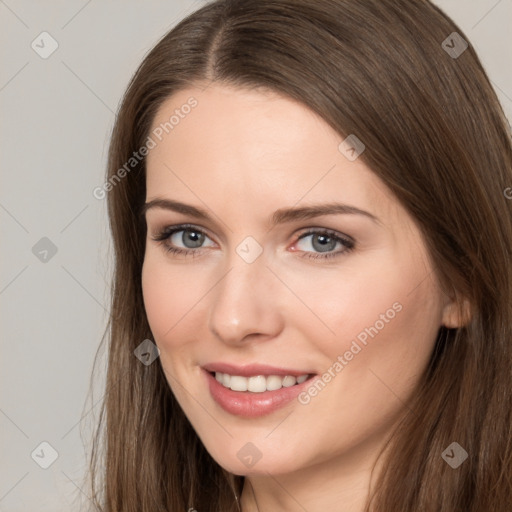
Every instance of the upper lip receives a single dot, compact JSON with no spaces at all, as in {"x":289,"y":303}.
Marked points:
{"x":251,"y":370}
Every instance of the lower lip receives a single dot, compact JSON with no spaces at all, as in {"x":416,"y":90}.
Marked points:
{"x":252,"y":405}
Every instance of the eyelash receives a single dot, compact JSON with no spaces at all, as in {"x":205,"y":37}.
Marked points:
{"x":167,"y":232}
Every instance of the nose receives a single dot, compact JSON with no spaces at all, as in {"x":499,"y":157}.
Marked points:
{"x":245,"y":303}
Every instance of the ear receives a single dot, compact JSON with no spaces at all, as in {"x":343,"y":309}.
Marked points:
{"x":456,"y":312}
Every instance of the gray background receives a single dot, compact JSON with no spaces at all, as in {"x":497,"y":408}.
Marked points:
{"x":56,"y":117}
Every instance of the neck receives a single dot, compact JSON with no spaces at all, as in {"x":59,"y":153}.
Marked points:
{"x":340,"y":483}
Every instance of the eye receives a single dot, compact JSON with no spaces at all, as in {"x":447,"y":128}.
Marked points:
{"x":188,"y":240}
{"x":190,"y":237}
{"x":324,"y":241}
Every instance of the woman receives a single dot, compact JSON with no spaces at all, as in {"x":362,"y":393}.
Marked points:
{"x":312,"y":294}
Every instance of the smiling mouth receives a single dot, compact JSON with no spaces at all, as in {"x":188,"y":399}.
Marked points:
{"x":258,"y":383}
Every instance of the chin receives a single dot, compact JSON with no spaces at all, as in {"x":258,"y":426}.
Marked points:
{"x":259,"y":465}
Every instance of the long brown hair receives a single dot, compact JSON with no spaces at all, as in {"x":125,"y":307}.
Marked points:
{"x":435,"y":134}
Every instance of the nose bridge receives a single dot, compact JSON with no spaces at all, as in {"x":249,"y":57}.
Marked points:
{"x":244,"y":300}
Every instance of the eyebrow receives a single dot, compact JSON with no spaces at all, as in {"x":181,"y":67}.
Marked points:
{"x":279,"y":216}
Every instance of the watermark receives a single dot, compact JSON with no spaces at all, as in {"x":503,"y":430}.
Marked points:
{"x":150,"y":143}
{"x":44,"y":455}
{"x":249,"y":249}
{"x":508,"y":192}
{"x":454,"y":455}
{"x":44,"y":250}
{"x":351,"y":147}
{"x":147,"y":352}
{"x":249,"y":454}
{"x":319,"y":384}
{"x":454,"y":45}
{"x":44,"y":45}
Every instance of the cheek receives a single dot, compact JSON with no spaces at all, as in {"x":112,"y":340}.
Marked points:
{"x":382,"y":315}
{"x":167,"y":294}
{"x":347,"y":298}
{"x":156,"y":297}
{"x":380,"y":289}
{"x":385,"y":327}
{"x":169,"y":298}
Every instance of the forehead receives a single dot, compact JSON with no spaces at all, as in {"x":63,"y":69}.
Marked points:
{"x":258,"y":147}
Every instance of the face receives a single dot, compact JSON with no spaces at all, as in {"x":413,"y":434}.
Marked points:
{"x":265,"y":278}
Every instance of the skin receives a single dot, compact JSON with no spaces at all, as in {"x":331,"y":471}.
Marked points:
{"x":243,"y":154}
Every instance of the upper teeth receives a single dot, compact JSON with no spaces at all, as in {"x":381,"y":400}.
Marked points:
{"x":259,"y":383}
